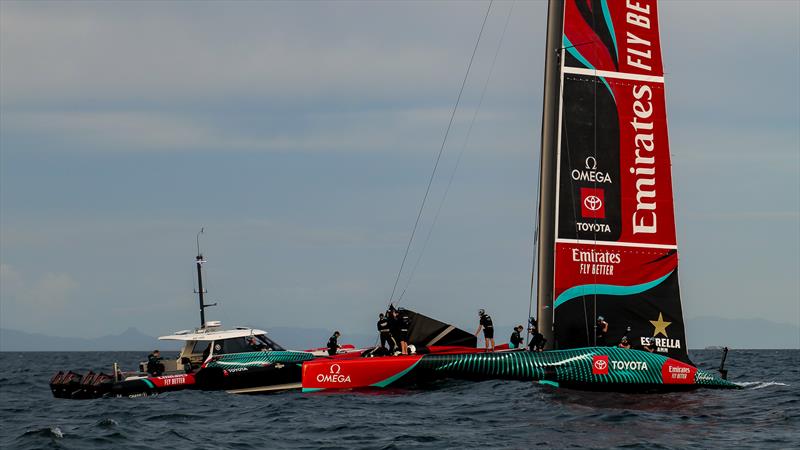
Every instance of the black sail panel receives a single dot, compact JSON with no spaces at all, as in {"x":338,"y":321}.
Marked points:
{"x":426,"y":331}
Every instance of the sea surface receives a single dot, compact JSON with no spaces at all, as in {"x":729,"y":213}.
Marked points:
{"x":457,"y":414}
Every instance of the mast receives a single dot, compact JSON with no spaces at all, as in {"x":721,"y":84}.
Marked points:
{"x":547,"y":180}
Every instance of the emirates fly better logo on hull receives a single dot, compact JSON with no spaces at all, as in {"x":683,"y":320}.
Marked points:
{"x":593,"y":203}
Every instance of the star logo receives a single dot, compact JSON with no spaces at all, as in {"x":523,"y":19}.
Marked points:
{"x":660,"y":326}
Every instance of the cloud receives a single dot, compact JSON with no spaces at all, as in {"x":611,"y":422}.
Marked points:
{"x":10,"y":280}
{"x":286,"y":53}
{"x":88,"y":77}
{"x":400,"y":130}
{"x":28,"y":296}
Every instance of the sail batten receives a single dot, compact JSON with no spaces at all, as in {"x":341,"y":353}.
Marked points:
{"x":614,"y":243}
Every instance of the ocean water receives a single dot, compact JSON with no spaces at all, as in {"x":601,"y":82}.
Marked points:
{"x":456,"y":414}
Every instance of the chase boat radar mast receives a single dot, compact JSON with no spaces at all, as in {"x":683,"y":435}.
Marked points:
{"x":199,"y":261}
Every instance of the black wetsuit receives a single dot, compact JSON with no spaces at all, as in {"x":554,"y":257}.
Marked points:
{"x":394,"y":329}
{"x":333,"y":345}
{"x":154,"y":365}
{"x":537,"y":341}
{"x":515,"y":340}
{"x":386,"y":334}
{"x":405,"y":326}
{"x":488,"y":327}
{"x":601,"y":335}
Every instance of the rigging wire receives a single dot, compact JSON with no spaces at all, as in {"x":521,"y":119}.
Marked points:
{"x":460,"y":154}
{"x":574,"y":200}
{"x":534,"y":266}
{"x":441,"y":149}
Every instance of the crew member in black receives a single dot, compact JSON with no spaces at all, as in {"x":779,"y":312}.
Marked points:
{"x":385,"y":332}
{"x":601,"y":329}
{"x":333,"y":343}
{"x":488,"y":329}
{"x":394,"y":328}
{"x":405,"y":328}
{"x":154,"y":365}
{"x":537,"y":341}
{"x":515,"y":340}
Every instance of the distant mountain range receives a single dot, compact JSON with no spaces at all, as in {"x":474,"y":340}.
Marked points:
{"x":702,"y":332}
{"x":134,"y":340}
{"x":129,"y":340}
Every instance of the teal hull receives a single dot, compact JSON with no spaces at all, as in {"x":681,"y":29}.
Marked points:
{"x":592,"y":368}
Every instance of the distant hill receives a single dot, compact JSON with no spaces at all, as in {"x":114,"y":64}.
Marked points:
{"x":701,"y":332}
{"x":129,"y":340}
{"x":134,"y":340}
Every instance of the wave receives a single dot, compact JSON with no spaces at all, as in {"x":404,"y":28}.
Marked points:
{"x":52,"y":432}
{"x":759,"y":384}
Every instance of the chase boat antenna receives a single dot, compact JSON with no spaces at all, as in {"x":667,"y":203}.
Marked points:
{"x":199,"y":262}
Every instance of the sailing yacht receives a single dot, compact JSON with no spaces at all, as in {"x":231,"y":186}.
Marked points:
{"x":607,"y":251}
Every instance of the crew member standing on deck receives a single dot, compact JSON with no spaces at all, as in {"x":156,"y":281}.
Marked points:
{"x":405,"y":329}
{"x":385,"y":332}
{"x":333,"y":343}
{"x":394,"y":329}
{"x":488,"y":329}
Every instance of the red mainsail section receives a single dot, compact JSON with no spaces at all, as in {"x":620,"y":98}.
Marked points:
{"x":614,"y":35}
{"x":615,"y":252}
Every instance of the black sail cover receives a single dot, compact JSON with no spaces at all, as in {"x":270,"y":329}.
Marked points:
{"x":426,"y":331}
{"x":615,"y":248}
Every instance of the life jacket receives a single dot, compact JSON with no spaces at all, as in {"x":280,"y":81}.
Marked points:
{"x":405,"y":323}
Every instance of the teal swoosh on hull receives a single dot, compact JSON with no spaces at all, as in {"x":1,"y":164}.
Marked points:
{"x":396,"y":376}
{"x":605,"y":289}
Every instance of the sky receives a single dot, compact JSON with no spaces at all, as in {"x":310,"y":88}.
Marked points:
{"x":301,"y":135}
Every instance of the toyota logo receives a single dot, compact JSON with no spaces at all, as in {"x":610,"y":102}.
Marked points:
{"x":335,"y":369}
{"x":600,"y":364}
{"x":592,"y":202}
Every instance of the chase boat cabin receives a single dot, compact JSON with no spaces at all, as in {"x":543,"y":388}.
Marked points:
{"x":200,"y":344}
